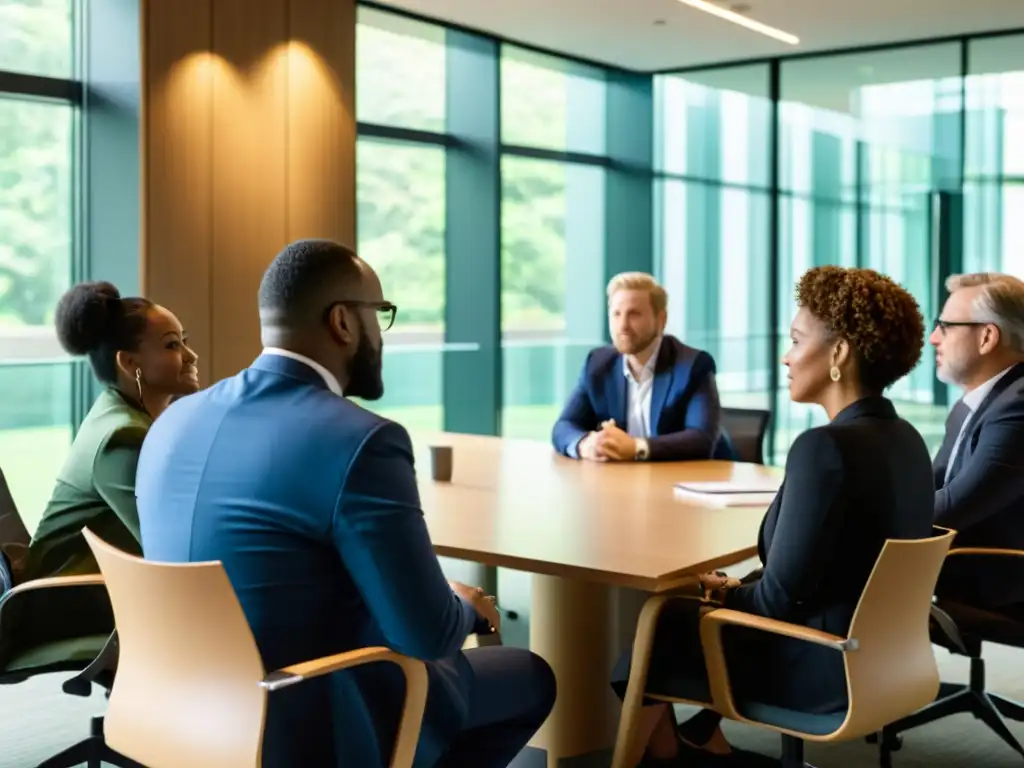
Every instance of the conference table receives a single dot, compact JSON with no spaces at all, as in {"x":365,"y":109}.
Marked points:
{"x":590,"y":534}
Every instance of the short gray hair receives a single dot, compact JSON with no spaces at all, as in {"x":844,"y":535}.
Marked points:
{"x":1000,"y":302}
{"x":639,"y":281}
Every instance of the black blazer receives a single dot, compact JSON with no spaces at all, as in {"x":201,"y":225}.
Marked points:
{"x":850,"y":485}
{"x":984,"y":499}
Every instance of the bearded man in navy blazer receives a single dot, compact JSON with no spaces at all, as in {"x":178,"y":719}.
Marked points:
{"x":646,"y":397}
{"x":310,"y":502}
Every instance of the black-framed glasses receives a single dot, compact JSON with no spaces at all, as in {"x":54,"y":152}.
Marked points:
{"x":386,"y":311}
{"x":945,"y":325}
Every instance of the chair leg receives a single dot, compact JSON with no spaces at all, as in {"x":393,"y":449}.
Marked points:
{"x":1008,"y":707}
{"x":793,"y":752}
{"x":985,"y":710}
{"x":953,"y":705}
{"x":88,"y":751}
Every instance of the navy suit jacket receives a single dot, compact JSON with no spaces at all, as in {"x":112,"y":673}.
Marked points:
{"x":311,"y":504}
{"x":685,"y":410}
{"x":984,"y":498}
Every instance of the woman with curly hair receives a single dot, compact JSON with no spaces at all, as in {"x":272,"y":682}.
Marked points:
{"x":863,"y":478}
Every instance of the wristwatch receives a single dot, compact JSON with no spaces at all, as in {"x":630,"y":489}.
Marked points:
{"x":643,"y":452}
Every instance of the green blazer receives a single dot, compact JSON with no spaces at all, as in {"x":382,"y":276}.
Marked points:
{"x":95,"y":488}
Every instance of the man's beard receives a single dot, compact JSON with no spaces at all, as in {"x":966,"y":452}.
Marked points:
{"x":364,"y":374}
{"x":635,"y":345}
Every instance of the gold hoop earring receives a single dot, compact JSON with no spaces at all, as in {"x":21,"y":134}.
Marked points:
{"x":138,"y":382}
{"x":835,"y":374}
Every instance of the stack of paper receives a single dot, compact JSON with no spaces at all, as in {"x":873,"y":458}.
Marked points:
{"x":751,"y":493}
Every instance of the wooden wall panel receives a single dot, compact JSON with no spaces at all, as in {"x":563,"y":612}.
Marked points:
{"x":176,"y":145}
{"x":248,"y":143}
{"x":321,"y":120}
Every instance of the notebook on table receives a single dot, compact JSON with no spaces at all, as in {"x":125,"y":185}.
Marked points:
{"x":758,"y":492}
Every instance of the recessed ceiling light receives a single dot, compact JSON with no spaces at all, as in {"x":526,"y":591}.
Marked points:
{"x":743,"y":21}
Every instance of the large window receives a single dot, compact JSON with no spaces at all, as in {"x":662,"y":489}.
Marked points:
{"x":867,"y":142}
{"x":401,"y":226}
{"x":400,"y":71}
{"x":551,"y":103}
{"x":36,"y":196}
{"x":994,"y":188}
{"x":711,"y":221}
{"x":552,"y":292}
{"x":36,"y":37}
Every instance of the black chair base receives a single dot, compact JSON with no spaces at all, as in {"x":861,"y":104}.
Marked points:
{"x":990,"y":708}
{"x":92,"y":751}
{"x":793,"y":753}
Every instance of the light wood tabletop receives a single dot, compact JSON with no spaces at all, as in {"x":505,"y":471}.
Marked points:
{"x":591,"y":535}
{"x":516,"y":504}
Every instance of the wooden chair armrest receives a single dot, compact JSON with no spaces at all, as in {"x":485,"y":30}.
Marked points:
{"x":986,"y":551}
{"x":711,"y":625}
{"x":415,"y":672}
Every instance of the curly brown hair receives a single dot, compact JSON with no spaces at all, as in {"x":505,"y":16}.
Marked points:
{"x":878,"y":317}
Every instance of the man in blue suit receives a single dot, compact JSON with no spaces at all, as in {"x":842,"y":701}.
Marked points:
{"x":311,"y":504}
{"x":647,"y":397}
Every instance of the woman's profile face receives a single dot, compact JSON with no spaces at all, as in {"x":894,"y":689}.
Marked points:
{"x":809,"y":358}
{"x":167,"y":363}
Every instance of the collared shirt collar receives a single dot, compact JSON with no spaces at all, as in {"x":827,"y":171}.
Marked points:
{"x":648,"y":370}
{"x":976,"y":396}
{"x":327,"y":376}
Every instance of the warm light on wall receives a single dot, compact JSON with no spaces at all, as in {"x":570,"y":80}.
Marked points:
{"x":743,"y":21}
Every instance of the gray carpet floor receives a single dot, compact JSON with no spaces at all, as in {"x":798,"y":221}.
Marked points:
{"x":38,"y":720}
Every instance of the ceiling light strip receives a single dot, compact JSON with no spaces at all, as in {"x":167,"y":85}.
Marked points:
{"x":743,"y":21}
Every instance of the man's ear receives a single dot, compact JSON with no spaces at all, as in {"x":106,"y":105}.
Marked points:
{"x":341,"y":325}
{"x":991,"y":337}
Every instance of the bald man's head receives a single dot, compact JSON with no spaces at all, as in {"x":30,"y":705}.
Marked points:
{"x":319,"y":299}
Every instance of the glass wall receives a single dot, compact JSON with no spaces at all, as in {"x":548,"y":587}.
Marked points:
{"x":37,"y":193}
{"x":484,"y":348}
{"x":894,"y":159}
{"x":711,"y":149}
{"x":552,"y":233}
{"x":400,"y":195}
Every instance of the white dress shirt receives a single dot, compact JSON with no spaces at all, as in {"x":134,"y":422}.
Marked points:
{"x":327,"y":376}
{"x":638,"y":395}
{"x":973,"y":401}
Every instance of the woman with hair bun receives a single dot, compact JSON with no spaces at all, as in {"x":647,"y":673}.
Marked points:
{"x":140,"y":352}
{"x":864,"y":477}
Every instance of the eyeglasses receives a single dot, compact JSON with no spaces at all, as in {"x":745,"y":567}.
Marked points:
{"x":945,"y":325}
{"x":386,"y":311}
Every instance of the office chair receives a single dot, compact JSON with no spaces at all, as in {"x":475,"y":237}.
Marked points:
{"x":191,"y":688}
{"x":746,"y":428}
{"x":962,"y":629}
{"x":890,"y":665}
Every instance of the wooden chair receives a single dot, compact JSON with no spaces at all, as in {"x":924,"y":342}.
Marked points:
{"x":746,"y":428}
{"x":191,"y":688}
{"x":890,"y":665}
{"x":961,"y":629}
